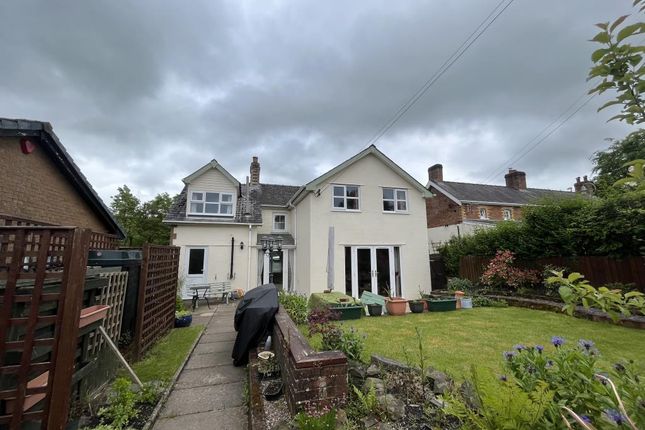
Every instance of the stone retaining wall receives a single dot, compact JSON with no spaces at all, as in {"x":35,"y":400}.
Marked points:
{"x":314,"y":381}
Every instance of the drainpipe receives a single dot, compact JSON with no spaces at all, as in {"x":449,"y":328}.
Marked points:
{"x":230,"y":276}
{"x":295,"y":245}
{"x":248,"y":264}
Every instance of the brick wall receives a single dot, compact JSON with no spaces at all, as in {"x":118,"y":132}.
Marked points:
{"x":440,"y":211}
{"x":314,"y":381}
{"x":495,"y":213}
{"x":32,"y":187}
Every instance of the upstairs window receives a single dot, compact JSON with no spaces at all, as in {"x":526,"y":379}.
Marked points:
{"x":346,"y":197}
{"x":507,"y":214}
{"x":203,"y":203}
{"x":279,"y":222}
{"x":395,"y":200}
{"x":483,"y":214}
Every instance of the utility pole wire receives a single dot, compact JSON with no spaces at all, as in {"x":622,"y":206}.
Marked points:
{"x":549,"y":133}
{"x":456,"y":55}
{"x":493,"y":173}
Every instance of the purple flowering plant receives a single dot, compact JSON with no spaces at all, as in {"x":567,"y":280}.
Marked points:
{"x":571,"y":372}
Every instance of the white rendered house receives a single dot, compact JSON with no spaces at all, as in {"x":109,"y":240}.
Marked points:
{"x":359,"y":227}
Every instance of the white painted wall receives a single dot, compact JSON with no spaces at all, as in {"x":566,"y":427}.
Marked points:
{"x":267,"y":220}
{"x":217,"y":239}
{"x":442,"y":234}
{"x":370,"y":226}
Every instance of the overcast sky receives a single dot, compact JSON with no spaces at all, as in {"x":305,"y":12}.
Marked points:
{"x":145,"y":92}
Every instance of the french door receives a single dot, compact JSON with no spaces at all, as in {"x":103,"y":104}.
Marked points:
{"x":373,"y":270}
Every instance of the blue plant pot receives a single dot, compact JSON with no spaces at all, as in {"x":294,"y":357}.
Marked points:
{"x":184,"y":321}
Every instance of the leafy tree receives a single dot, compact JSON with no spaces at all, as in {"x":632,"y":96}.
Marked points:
{"x":142,"y":222}
{"x":619,"y":64}
{"x":609,"y":165}
{"x":635,"y":179}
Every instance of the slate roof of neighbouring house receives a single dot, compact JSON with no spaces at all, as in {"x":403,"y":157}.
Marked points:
{"x":247,"y":203}
{"x":59,"y":155}
{"x":483,"y":193}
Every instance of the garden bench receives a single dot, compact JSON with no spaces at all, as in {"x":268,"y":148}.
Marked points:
{"x":212,"y":290}
{"x":368,"y":298}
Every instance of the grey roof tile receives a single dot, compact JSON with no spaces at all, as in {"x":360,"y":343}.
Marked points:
{"x":499,"y":193}
{"x":279,"y":195}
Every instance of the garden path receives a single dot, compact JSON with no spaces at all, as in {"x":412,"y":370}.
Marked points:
{"x":209,"y":391}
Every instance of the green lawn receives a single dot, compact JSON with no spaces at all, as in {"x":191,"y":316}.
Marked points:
{"x":455,"y":340}
{"x":163,"y":360}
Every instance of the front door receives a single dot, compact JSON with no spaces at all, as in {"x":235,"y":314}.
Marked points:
{"x":196,"y":268}
{"x":372,"y":270}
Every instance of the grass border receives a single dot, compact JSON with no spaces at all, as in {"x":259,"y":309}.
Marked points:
{"x":164,"y":397}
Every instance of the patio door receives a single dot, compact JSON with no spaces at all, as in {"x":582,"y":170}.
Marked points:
{"x":196,"y":268}
{"x":372,"y":270}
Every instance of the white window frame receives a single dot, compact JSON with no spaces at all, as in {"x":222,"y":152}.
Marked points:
{"x":204,"y":203}
{"x":273,"y":226}
{"x":395,"y":200}
{"x":483,"y":213}
{"x":345,"y":197}
{"x":508,"y":211}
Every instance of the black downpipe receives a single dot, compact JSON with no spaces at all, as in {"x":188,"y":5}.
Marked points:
{"x":232,"y":252}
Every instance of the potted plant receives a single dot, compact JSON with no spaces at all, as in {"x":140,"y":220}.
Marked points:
{"x":442,"y":304}
{"x":375,"y":309}
{"x":183,"y":318}
{"x":268,"y":364}
{"x":396,"y":305}
{"x":416,"y":306}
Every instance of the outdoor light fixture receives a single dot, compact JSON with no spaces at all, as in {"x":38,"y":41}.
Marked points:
{"x":242,"y":245}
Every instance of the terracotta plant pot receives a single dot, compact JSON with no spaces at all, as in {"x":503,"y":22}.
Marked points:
{"x":396,"y":305}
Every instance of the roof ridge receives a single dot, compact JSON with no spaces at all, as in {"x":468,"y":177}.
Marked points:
{"x":498,"y":186}
{"x":280,"y":185}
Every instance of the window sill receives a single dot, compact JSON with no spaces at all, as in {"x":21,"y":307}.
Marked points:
{"x":346,"y":210}
{"x":212,"y":215}
{"x":395,"y":213}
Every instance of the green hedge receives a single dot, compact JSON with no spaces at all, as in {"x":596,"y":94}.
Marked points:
{"x":569,"y":227}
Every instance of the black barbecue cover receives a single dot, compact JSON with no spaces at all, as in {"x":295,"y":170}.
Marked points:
{"x":253,"y":320}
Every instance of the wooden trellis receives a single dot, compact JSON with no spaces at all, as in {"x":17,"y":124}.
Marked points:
{"x":157,"y":295}
{"x":112,"y":295}
{"x":42,"y":271}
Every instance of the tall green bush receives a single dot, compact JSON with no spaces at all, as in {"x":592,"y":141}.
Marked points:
{"x":614,"y":227}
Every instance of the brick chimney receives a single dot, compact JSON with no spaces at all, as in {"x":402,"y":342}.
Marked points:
{"x":435,"y":173}
{"x":585,"y":186}
{"x":515,"y":179}
{"x":255,"y":171}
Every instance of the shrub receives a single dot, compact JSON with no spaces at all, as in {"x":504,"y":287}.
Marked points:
{"x":326,"y":421}
{"x":350,"y":342}
{"x":319,"y":319}
{"x":570,"y":373}
{"x":500,"y":273}
{"x":122,"y":405}
{"x":483,"y":301}
{"x":295,"y":305}
{"x":460,"y":284}
{"x":575,"y":290}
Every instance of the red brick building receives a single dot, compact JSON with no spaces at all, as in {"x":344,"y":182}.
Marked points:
{"x":461,"y":208}
{"x":40,"y":182}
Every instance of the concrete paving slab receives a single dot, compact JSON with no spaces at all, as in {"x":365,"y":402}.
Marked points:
{"x":198,"y":361}
{"x":203,"y":399}
{"x":192,"y":378}
{"x":228,"y":419}
{"x":209,"y":348}
{"x":218,"y":337}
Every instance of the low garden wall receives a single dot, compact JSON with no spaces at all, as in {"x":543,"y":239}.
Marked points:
{"x":314,"y":381}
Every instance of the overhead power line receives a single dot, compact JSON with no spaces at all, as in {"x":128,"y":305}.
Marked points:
{"x":456,"y":55}
{"x":537,"y":140}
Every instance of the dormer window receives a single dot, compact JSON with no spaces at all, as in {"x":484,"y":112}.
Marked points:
{"x":212,"y":204}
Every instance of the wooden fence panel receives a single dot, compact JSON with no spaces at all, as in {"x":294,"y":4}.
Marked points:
{"x":112,"y":295}
{"x":157,"y":295}
{"x":42,"y":272}
{"x":598,"y":270}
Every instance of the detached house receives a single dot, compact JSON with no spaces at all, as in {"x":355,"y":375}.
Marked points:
{"x":359,"y":227}
{"x":461,"y":208}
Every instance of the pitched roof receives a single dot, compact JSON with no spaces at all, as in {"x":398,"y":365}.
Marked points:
{"x":370,"y":150}
{"x":463,"y":192}
{"x":59,"y":155}
{"x":213,"y":164}
{"x":277,"y":195}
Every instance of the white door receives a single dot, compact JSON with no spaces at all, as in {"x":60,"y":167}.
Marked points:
{"x":196,"y":268}
{"x":373,"y":270}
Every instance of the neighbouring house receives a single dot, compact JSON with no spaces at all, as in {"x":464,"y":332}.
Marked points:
{"x":41,"y":184}
{"x":460,"y":208}
{"x":359,"y":227}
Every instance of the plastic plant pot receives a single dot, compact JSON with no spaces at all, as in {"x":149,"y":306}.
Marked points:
{"x":442,"y":305}
{"x":375,"y":310}
{"x":396,"y":305}
{"x":467,"y":303}
{"x":416,"y":306}
{"x":183,"y":321}
{"x":273,"y":390}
